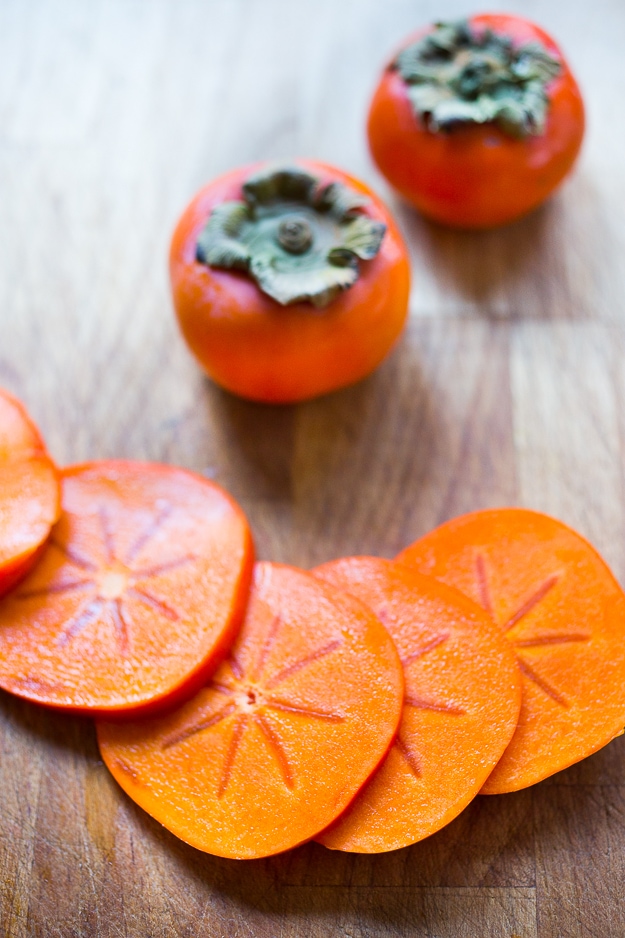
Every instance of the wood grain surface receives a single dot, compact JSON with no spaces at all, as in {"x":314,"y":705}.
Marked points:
{"x":508,"y":387}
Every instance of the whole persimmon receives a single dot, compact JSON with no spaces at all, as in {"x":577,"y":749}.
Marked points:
{"x":476,"y":122}
{"x":288,"y":281}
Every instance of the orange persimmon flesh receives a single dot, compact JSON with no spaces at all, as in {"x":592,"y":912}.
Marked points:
{"x":558,"y":605}
{"x":138,"y":595}
{"x":460,"y":710}
{"x":282,"y":738}
{"x":29,"y":492}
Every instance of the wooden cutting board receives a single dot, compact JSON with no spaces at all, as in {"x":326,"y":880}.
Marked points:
{"x":507,"y":388}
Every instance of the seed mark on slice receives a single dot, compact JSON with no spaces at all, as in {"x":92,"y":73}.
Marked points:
{"x":425,"y":649}
{"x":235,"y":667}
{"x":88,"y":614}
{"x":531,"y":602}
{"x":150,"y":531}
{"x":121,"y":625}
{"x":155,"y":603}
{"x":542,"y":683}
{"x":221,"y":688}
{"x":266,"y":648}
{"x":422,"y":704}
{"x":237,"y":732}
{"x":276,"y":747}
{"x":107,"y":533}
{"x":127,"y":769}
{"x":74,"y":557}
{"x":292,"y":669}
{"x":551,"y":640}
{"x":147,"y":572}
{"x":187,"y":731}
{"x":411,"y":758}
{"x":482,"y":585}
{"x":65,"y":587}
{"x":287,"y":707}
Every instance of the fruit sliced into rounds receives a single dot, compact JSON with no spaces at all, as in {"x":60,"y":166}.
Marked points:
{"x":29,"y":492}
{"x":139,"y":593}
{"x":563,"y":613}
{"x":277,"y":744}
{"x":460,"y":709}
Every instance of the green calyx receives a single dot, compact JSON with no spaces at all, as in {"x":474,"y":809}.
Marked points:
{"x":300,"y":240}
{"x":459,"y":75}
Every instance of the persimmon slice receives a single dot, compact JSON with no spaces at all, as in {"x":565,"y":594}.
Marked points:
{"x":460,"y":710}
{"x":29,"y":492}
{"x":282,"y":738}
{"x":563,"y":613}
{"x":139,"y":593}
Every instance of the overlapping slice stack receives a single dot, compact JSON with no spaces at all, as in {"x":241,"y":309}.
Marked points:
{"x":461,"y":706}
{"x":363,"y":706}
{"x":558,"y":605}
{"x":139,"y":593}
{"x":289,"y":729}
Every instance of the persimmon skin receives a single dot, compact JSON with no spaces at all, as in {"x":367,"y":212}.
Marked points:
{"x":477,"y":176}
{"x":12,"y":574}
{"x":251,"y":345}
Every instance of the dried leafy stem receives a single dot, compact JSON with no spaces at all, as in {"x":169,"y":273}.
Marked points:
{"x":299,"y":239}
{"x":457,"y":74}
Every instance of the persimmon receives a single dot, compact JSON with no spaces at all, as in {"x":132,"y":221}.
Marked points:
{"x":461,"y":705}
{"x":476,"y":122}
{"x":563,"y":613}
{"x":288,"y":282}
{"x":29,"y":492}
{"x":280,"y":740}
{"x":138,"y":595}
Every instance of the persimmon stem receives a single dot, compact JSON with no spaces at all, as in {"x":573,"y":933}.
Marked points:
{"x":458,"y":74}
{"x":295,"y":235}
{"x":301,"y":240}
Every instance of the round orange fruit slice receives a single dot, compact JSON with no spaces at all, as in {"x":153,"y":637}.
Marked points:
{"x":563,"y":614}
{"x":460,"y":710}
{"x":140,"y":592}
{"x":29,"y":492}
{"x":281,"y":739}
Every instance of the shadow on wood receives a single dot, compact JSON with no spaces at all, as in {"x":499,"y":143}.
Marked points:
{"x":54,"y":730}
{"x":482,"y":268}
{"x":261,"y":438}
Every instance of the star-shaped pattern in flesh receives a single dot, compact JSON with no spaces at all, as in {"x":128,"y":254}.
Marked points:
{"x":401,"y":744}
{"x":250,"y":697}
{"x":112,"y":584}
{"x":537,"y":641}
